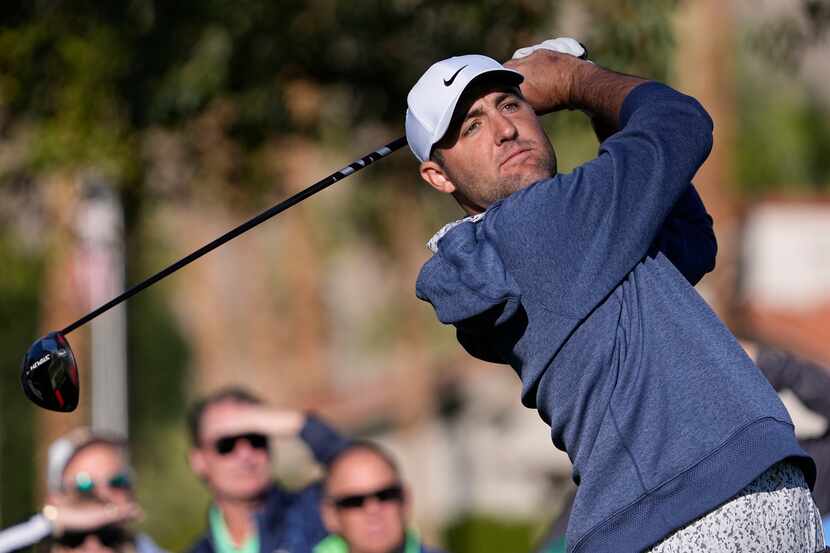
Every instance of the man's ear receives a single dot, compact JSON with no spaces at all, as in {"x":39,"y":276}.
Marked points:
{"x":436,"y":177}
{"x":198,"y":463}
{"x":330,"y":519}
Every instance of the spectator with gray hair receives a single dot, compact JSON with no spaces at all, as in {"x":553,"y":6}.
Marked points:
{"x":366,"y":504}
{"x":90,"y":498}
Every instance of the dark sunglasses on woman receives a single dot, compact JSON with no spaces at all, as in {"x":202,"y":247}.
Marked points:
{"x":383,"y":495}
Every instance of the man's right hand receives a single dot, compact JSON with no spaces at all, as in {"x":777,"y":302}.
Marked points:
{"x":556,"y":78}
{"x":549,"y":79}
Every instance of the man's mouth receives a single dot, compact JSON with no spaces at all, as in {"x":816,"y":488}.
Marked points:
{"x":516,"y":156}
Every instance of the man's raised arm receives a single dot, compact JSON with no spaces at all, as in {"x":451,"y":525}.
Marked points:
{"x":588,"y":229}
{"x":556,"y":81}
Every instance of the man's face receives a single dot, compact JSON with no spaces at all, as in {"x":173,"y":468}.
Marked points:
{"x":365,"y":504}
{"x":98,"y":470}
{"x":239,"y":468}
{"x":495,"y":146}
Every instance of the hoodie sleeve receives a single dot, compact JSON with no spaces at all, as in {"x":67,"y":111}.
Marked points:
{"x":687,"y":237}
{"x":323,"y":441}
{"x":570,"y":240}
{"x":809,"y":381}
{"x":466,"y":279}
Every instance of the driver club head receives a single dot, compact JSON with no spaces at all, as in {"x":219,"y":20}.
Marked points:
{"x":49,"y":374}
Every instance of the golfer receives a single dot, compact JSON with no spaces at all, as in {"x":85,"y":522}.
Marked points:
{"x":582,"y":282}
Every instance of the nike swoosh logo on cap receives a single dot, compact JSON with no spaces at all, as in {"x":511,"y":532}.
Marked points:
{"x":448,"y":82}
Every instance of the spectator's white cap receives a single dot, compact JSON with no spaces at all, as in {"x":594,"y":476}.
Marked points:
{"x":66,"y":447}
{"x":432,"y":101}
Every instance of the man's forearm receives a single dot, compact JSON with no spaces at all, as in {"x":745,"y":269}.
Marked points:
{"x":809,"y":381}
{"x":600,"y":93}
{"x":25,"y":534}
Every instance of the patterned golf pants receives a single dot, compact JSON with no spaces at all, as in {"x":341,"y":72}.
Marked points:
{"x":773,"y":514}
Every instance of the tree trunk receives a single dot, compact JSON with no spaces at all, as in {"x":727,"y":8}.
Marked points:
{"x":705,"y":69}
{"x":62,"y":301}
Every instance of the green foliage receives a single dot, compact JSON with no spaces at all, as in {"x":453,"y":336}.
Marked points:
{"x":94,"y":75}
{"x":573,"y":139}
{"x":18,"y":328}
{"x":174,"y":498}
{"x":783,"y":125}
{"x":158,"y":357}
{"x":783,"y":143}
{"x":632,"y":36}
{"x":59,"y":77}
{"x":486,"y":534}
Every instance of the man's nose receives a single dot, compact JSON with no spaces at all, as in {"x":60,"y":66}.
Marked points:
{"x":243,"y":447}
{"x":372,"y":505}
{"x":505,"y":130}
{"x":92,"y":544}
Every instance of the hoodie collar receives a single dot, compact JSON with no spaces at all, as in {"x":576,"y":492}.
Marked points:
{"x":432,"y":244}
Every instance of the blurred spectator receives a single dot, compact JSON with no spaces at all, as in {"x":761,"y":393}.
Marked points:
{"x":111,"y":538}
{"x":810,"y":383}
{"x":366,"y":504}
{"x":231,"y":452}
{"x":90,"y":498}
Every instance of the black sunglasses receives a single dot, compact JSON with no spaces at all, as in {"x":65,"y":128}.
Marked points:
{"x":390,"y":493}
{"x":109,"y":536}
{"x":224,"y":446}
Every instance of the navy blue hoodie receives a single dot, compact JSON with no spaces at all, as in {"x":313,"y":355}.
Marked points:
{"x":583,"y":284}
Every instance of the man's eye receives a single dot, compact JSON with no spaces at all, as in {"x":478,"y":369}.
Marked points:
{"x":471,"y":128}
{"x":511,"y":106}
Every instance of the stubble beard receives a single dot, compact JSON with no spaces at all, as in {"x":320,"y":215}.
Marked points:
{"x":501,"y":187}
{"x":540,"y":169}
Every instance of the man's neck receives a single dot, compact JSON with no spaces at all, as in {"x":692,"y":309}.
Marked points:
{"x":239,"y":517}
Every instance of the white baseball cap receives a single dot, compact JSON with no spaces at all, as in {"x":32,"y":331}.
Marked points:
{"x":64,"y":449}
{"x":432,"y":101}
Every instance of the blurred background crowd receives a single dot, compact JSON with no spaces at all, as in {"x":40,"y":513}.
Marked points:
{"x":133,"y":132}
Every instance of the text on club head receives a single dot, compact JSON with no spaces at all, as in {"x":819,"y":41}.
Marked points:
{"x":40,"y":361}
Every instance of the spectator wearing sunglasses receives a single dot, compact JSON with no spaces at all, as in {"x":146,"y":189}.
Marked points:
{"x":231,"y":451}
{"x":110,"y":538}
{"x":366,"y":505}
{"x":90,"y":498}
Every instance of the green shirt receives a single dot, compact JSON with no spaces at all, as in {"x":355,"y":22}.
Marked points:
{"x":556,"y":546}
{"x":222,"y":538}
{"x":335,"y":544}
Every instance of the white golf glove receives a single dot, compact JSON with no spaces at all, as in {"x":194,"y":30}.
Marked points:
{"x":564,"y":45}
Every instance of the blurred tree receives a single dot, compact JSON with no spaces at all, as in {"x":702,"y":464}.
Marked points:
{"x":632,"y":36}
{"x":484,"y":534}
{"x":783,"y":106}
{"x":18,"y":322}
{"x":705,"y":70}
{"x":90,"y":87}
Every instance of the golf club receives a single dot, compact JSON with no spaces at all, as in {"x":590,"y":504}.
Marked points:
{"x":49,"y":373}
